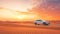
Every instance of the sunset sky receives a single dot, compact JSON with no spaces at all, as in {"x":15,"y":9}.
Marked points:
{"x":29,"y":9}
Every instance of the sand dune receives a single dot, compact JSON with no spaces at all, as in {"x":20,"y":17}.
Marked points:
{"x":28,"y":28}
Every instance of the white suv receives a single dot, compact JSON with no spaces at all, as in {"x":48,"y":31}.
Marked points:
{"x":38,"y":22}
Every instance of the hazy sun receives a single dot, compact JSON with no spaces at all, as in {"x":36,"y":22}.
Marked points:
{"x":13,"y":15}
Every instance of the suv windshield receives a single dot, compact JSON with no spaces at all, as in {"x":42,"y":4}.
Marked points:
{"x":38,"y":20}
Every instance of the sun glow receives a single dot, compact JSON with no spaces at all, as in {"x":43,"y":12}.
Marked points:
{"x":13,"y":15}
{"x":27,"y":17}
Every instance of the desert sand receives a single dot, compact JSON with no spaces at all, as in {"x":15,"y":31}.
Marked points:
{"x":29,"y":28}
